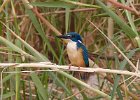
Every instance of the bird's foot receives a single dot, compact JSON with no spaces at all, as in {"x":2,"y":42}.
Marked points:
{"x":70,"y":66}
{"x":79,"y":68}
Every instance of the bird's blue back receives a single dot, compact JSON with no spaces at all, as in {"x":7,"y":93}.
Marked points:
{"x":84,"y":52}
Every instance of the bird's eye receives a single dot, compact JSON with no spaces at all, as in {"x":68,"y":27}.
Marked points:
{"x":69,"y":36}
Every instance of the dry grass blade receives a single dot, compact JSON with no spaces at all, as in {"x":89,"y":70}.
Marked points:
{"x":114,"y":46}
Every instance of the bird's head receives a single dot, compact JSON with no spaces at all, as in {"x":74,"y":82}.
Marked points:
{"x":72,"y":36}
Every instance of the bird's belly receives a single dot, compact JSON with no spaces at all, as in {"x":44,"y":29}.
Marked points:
{"x":75,"y":56}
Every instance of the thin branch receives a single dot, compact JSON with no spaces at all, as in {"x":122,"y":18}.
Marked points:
{"x":53,"y":67}
{"x":66,"y":68}
{"x":113,"y":45}
{"x":117,"y":4}
{"x":3,"y":5}
{"x":58,"y":12}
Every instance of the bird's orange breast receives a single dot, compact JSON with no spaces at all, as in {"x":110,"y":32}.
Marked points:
{"x":75,"y":55}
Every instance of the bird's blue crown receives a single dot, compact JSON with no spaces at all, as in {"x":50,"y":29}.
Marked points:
{"x":74,"y":36}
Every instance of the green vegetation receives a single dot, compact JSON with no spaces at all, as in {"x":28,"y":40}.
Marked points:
{"x":28,"y":33}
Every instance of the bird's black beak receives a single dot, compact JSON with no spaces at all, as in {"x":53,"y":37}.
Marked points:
{"x":63,"y":36}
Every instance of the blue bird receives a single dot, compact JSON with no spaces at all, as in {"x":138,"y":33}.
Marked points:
{"x":76,"y":50}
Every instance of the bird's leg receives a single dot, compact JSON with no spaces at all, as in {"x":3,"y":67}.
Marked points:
{"x":70,"y":66}
{"x":78,"y":67}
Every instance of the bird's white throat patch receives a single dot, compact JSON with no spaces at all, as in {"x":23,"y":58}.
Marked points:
{"x":71,"y":46}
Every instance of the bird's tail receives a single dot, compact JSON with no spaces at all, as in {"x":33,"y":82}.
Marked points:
{"x":82,"y":75}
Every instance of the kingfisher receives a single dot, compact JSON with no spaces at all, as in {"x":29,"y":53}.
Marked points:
{"x":77,"y":52}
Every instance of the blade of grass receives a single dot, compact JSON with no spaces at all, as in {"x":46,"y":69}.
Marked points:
{"x":15,"y":48}
{"x":39,"y":57}
{"x":119,"y":94}
{"x":117,"y":77}
{"x":9,"y":77}
{"x":0,"y":29}
{"x":60,"y":83}
{"x":6,"y":78}
{"x":30,"y":91}
{"x":40,"y":31}
{"x":126,"y":58}
{"x":56,"y":4}
{"x":61,"y":58}
{"x":131,"y":22}
{"x":114,"y":46}
{"x":67,"y":18}
{"x":39,"y":86}
{"x":128,"y":31}
{"x":80,"y":4}
{"x":18,"y":59}
{"x":24,"y":90}
{"x":3,"y":5}
{"x":128,"y":15}
{"x":84,"y":84}
{"x":8,"y":95}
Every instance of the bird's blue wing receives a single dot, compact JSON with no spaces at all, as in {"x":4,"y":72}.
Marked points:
{"x":84,"y":53}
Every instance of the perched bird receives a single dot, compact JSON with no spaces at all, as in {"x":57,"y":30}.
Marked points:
{"x":76,"y":50}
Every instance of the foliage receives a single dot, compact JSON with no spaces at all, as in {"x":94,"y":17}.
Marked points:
{"x":28,"y":33}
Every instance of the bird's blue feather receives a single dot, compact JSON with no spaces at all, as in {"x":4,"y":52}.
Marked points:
{"x":84,"y":53}
{"x":75,"y":37}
